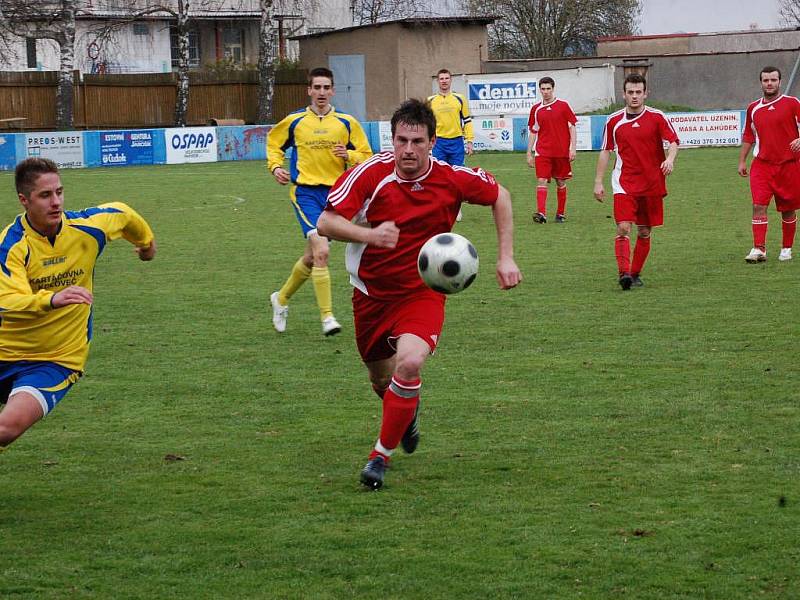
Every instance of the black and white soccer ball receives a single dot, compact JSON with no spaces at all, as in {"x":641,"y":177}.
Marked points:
{"x":448,"y":263}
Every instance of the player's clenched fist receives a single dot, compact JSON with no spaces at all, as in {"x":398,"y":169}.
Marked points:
{"x":74,"y":294}
{"x":385,"y":235}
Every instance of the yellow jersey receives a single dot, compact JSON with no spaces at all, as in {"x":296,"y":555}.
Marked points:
{"x":32,"y":270}
{"x":453,"y":119}
{"x":312,"y":139}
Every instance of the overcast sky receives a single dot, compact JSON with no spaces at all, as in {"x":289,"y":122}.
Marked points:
{"x":671,"y":16}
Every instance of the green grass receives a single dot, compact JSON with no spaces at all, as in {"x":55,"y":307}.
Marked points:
{"x":577,"y":441}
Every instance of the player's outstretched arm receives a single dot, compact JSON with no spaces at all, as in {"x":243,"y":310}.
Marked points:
{"x":334,"y":226}
{"x":508,"y":274}
{"x":146,"y":252}
{"x":743,"y":158}
{"x":73,"y":294}
{"x":600,"y":173}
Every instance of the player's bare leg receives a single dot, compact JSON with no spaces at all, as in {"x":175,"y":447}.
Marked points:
{"x":400,"y":404}
{"x":21,"y":412}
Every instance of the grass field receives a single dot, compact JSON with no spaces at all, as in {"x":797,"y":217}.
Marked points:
{"x":578,"y":441}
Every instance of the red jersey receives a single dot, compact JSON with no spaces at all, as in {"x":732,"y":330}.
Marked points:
{"x":550,"y":123}
{"x":772,"y":126}
{"x":373,"y":192}
{"x":638,"y":142}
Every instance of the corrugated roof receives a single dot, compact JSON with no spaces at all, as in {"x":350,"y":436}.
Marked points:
{"x":409,"y":22}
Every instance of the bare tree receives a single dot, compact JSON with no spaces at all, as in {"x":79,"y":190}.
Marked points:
{"x":369,"y":12}
{"x":550,"y":28}
{"x":266,"y":63}
{"x":52,"y":20}
{"x":790,"y":12}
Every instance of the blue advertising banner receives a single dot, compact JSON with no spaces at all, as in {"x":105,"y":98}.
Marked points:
{"x":248,"y":142}
{"x":122,"y":148}
{"x":8,"y":151}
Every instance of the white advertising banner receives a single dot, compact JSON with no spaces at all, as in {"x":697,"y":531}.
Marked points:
{"x":586,"y":89}
{"x":493,"y":133}
{"x":583,"y":129}
{"x":722,"y":128}
{"x":385,"y":135}
{"x":191,"y":145}
{"x":65,"y":148}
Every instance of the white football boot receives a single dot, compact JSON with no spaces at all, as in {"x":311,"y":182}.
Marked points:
{"x":330,"y":326}
{"x":786,"y":254}
{"x":756,"y":255}
{"x":279,"y":313}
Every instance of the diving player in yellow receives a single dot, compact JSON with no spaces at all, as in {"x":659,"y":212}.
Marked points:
{"x":324,"y":144}
{"x":47,"y":259}
{"x":453,"y":123}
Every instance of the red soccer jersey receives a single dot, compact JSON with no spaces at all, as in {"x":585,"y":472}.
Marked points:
{"x":373,"y":192}
{"x":640,"y":151}
{"x":550,"y":123}
{"x":772,"y":126}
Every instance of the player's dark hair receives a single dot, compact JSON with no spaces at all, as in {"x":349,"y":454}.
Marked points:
{"x":29,"y":170}
{"x":415,"y":112}
{"x":635,"y":78}
{"x":442,"y":71}
{"x":770,"y":69}
{"x":547,"y":80}
{"x":319,"y":72}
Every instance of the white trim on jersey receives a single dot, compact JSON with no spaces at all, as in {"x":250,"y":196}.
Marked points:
{"x":355,"y":251}
{"x":761,"y":104}
{"x":605,"y":131}
{"x":344,"y":189}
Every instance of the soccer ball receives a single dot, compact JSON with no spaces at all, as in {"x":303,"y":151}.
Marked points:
{"x":448,"y":263}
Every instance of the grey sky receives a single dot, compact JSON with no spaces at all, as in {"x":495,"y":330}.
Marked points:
{"x":697,"y":16}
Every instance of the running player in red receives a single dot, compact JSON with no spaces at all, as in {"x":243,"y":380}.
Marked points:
{"x":387,"y":208}
{"x":551,"y":148}
{"x":637,"y":134}
{"x":771,"y":125}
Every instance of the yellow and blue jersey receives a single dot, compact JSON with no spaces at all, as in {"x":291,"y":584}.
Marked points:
{"x":453,"y":119}
{"x":33,"y":269}
{"x":312,"y":139}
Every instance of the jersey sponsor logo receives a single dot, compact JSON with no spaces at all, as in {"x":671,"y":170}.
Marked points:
{"x":59,"y":280}
{"x":53,"y":260}
{"x":417,"y":187}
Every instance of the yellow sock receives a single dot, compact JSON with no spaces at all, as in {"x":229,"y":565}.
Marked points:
{"x":321,"y":278}
{"x":300,"y":273}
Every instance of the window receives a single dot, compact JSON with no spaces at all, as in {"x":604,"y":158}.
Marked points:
{"x":140,"y":29}
{"x":233,"y":44}
{"x":194,"y":47}
{"x":30,"y":48}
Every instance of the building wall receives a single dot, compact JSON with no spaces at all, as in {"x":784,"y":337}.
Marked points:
{"x":400,"y":61}
{"x":699,"y":81}
{"x":732,"y":41}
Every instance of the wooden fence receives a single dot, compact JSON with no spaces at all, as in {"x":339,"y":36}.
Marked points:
{"x":141,"y":100}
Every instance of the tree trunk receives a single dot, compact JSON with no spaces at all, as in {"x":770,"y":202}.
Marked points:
{"x":266,"y":64}
{"x":65,"y":94}
{"x":182,"y":95}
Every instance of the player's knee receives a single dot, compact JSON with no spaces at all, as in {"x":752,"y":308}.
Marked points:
{"x":321,"y":258}
{"x":623,"y":228}
{"x":409,"y":367}
{"x":9,"y":432}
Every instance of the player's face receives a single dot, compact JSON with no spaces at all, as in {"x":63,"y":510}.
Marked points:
{"x":321,"y":91}
{"x":444,"y":82}
{"x":635,"y":95}
{"x":45,"y":203}
{"x":547,"y":92}
{"x":770,"y":84}
{"x":412,"y":150}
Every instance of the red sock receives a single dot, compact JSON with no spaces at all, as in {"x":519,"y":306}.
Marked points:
{"x":541,"y":199}
{"x":760,"y":233}
{"x":640,"y":252}
{"x":399,"y":404}
{"x":561,"y":194}
{"x":789,"y":229}
{"x":622,"y":248}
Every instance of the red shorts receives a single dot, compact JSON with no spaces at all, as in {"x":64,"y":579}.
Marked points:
{"x":552,"y":168}
{"x":378,"y":323}
{"x":782,"y":181}
{"x":642,"y":210}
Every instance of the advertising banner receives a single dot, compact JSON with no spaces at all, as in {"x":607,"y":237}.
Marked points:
{"x":65,"y":148}
{"x":723,"y":128}
{"x":385,"y":135}
{"x":248,"y":142}
{"x":583,"y":129}
{"x":8,"y":152}
{"x":121,"y":148}
{"x":493,"y":133}
{"x":191,"y":145}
